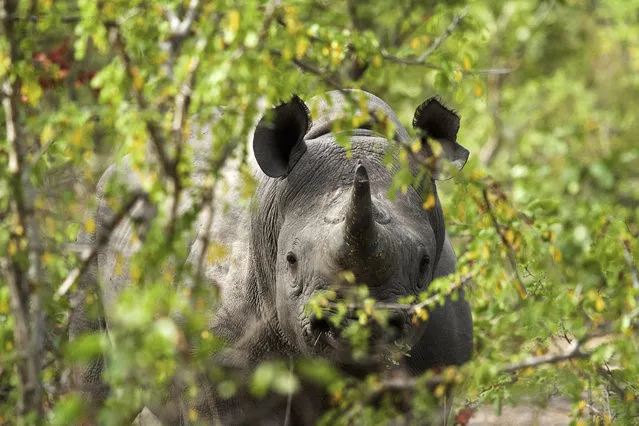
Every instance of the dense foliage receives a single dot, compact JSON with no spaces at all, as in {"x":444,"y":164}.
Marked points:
{"x":545,"y":216}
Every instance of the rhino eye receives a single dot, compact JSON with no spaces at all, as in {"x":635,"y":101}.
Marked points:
{"x":424,"y":263}
{"x":291,"y":259}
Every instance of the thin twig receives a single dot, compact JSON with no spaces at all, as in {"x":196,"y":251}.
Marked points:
{"x":313,"y":69}
{"x":416,"y":307}
{"x":627,"y":254}
{"x":155,"y":134}
{"x":180,"y":29}
{"x":89,"y":253}
{"x":447,"y":33}
{"x":522,"y":292}
{"x":182,"y":101}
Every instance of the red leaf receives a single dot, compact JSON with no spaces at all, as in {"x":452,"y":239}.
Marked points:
{"x":463,"y":416}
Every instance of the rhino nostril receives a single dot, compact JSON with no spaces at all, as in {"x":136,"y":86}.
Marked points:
{"x":319,"y":325}
{"x":396,"y":324}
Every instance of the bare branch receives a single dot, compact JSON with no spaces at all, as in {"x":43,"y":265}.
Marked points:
{"x":411,"y":61}
{"x":313,"y":69}
{"x":89,"y":253}
{"x":447,"y":33}
{"x":180,"y":29}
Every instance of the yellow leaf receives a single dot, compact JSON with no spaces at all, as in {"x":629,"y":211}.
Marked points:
{"x":216,"y":252}
{"x":477,"y":174}
{"x":136,"y":274}
{"x":32,"y":91}
{"x":377,"y":61}
{"x":457,"y":75}
{"x":47,"y":133}
{"x":466,"y":63}
{"x":138,"y":82}
{"x":234,"y":20}
{"x":192,"y":415}
{"x":349,"y":277}
{"x":403,"y":156}
{"x":76,"y":137}
{"x":430,"y":202}
{"x":555,"y":253}
{"x":599,"y":304}
{"x":479,"y":90}
{"x":404,"y":188}
{"x":301,"y":46}
{"x":47,"y":258}
{"x":436,"y":148}
{"x":89,"y":225}
{"x":363,"y":318}
{"x":119,"y":265}
{"x":13,"y":248}
{"x":416,"y":146}
{"x":581,"y":405}
{"x":414,"y":44}
{"x":509,"y":236}
{"x":205,"y":335}
{"x":449,"y":374}
{"x":368,"y":306}
{"x":440,"y":390}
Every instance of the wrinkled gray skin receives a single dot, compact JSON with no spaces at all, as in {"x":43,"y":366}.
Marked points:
{"x":316,"y":213}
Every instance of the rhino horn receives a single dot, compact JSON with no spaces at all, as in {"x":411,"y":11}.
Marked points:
{"x":360,"y":227}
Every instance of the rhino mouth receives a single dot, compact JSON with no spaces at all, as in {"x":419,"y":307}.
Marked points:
{"x":322,"y":335}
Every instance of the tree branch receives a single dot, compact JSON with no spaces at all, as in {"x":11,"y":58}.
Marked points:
{"x":521,"y":288}
{"x":23,"y":275}
{"x":180,"y":29}
{"x":89,"y":253}
{"x":447,"y":33}
{"x":154,"y":131}
{"x":627,"y":254}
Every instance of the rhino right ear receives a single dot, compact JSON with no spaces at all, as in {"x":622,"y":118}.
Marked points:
{"x":435,"y":121}
{"x":278,"y":142}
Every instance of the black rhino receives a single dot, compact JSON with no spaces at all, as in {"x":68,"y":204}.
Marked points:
{"x":317,"y":211}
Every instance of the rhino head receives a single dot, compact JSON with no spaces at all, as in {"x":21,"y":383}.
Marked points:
{"x":320,"y":212}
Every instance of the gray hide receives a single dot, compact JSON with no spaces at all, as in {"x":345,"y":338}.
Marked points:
{"x":316,"y":212}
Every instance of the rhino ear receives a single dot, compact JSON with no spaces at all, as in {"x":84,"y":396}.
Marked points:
{"x":278,"y":142}
{"x":437,"y":122}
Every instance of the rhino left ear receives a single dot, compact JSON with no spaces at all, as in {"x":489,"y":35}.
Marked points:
{"x":278,"y":142}
{"x":436,"y":121}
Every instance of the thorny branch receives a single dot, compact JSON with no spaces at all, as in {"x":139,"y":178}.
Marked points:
{"x":447,"y":33}
{"x":575,"y":351}
{"x":433,"y":47}
{"x":511,"y":257}
{"x":24,"y":276}
{"x":89,"y":254}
